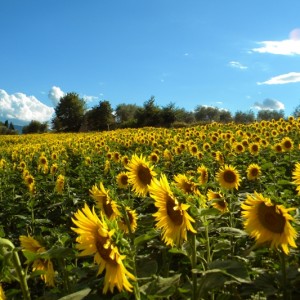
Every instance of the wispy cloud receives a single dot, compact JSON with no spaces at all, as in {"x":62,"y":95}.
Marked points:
{"x":237,"y":65}
{"x":269,"y":104}
{"x":289,"y":46}
{"x":24,"y":108}
{"x":55,"y":94}
{"x":89,"y":98}
{"x":283,"y":79}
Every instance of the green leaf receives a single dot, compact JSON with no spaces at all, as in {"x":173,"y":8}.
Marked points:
{"x":146,"y":237}
{"x":78,"y":295}
{"x":161,"y":287}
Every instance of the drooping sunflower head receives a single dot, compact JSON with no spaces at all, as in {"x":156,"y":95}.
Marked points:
{"x":217,"y":201}
{"x":268,"y":222}
{"x":172,"y":217}
{"x":95,"y":238}
{"x":186,"y":184}
{"x":60,"y":183}
{"x":228,"y":177}
{"x":203,"y":174}
{"x":253,"y":172}
{"x":103,"y":201}
{"x":132,"y":220}
{"x":140,"y":174}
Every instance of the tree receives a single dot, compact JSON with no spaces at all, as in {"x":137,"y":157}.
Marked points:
{"x":167,"y":115}
{"x":125,"y":112}
{"x":69,"y":113}
{"x":149,"y":114}
{"x":296,"y":112}
{"x":100,"y":117}
{"x":207,"y":113}
{"x":35,"y":127}
{"x":268,"y":115}
{"x":244,"y":117}
{"x":225,"y":116}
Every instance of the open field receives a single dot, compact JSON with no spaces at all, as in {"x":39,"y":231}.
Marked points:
{"x":207,"y":212}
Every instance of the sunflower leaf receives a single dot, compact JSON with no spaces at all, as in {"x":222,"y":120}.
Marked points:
{"x":145,"y":237}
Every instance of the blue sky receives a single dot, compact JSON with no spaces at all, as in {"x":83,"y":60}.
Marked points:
{"x":234,"y":55}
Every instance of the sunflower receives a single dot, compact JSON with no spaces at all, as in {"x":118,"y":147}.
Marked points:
{"x":278,"y":148}
{"x":253,"y":172}
{"x":238,"y":147}
{"x":268,"y":223}
{"x":132,"y":217}
{"x":218,"y":201}
{"x":287,"y":144}
{"x":153,"y":157}
{"x":140,"y":174}
{"x":95,"y":239}
{"x":203,"y":177}
{"x":29,"y":244}
{"x":2,"y":295}
{"x":104,"y":202}
{"x":43,"y":164}
{"x":254,"y":148}
{"x":172,"y":217}
{"x":296,"y":177}
{"x":60,"y":184}
{"x":122,"y":180}
{"x":228,"y":177}
{"x":186,"y":184}
{"x":53,"y":168}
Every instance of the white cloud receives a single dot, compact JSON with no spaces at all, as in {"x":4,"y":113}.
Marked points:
{"x":89,"y":98}
{"x":269,"y":104}
{"x":289,"y":46}
{"x":24,"y":108}
{"x":237,"y":65}
{"x":283,"y":79}
{"x":55,"y":94}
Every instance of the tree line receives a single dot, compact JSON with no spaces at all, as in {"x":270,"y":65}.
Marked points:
{"x":72,"y":115}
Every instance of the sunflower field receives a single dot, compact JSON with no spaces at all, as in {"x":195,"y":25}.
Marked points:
{"x":204,"y":212}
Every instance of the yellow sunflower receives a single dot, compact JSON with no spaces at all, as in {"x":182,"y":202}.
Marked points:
{"x":122,"y":180}
{"x":95,"y":239}
{"x":172,"y":217}
{"x":296,"y":177}
{"x":153,"y":157}
{"x":278,"y":148}
{"x":228,"y":177}
{"x":287,"y":144}
{"x":60,"y":184}
{"x":103,"y":201}
{"x":268,"y":223}
{"x":140,"y":174}
{"x":186,"y":184}
{"x":253,"y":172}
{"x":218,"y":201}
{"x":254,"y":148}
{"x":203,"y":177}
{"x":29,"y":244}
{"x":2,"y":295}
{"x":132,"y":217}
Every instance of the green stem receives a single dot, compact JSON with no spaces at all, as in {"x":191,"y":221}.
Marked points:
{"x":208,"y":250}
{"x":194,"y":265}
{"x":133,"y":250}
{"x":17,"y":265}
{"x":284,"y":277}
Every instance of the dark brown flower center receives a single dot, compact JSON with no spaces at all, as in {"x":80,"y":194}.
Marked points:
{"x":254,"y":172}
{"x":271,"y":218}
{"x":174,"y":215}
{"x":107,"y":206}
{"x":144,"y":175}
{"x":104,"y":253}
{"x":229,"y":176}
{"x":124,"y":179}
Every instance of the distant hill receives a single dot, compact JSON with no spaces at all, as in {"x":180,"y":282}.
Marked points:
{"x":18,"y":128}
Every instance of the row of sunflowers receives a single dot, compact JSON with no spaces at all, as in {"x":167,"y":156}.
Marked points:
{"x":206,"y":212}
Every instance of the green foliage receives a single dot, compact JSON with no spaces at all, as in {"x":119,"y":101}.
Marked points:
{"x":35,"y":127}
{"x":69,"y":113}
